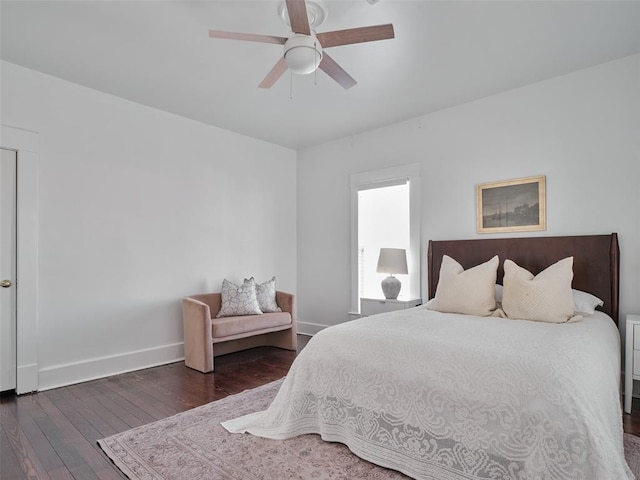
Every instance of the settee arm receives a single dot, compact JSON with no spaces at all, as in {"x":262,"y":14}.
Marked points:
{"x":287,"y":302}
{"x":198,"y":342}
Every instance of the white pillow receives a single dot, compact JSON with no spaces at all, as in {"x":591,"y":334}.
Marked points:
{"x":547,"y":297}
{"x":266,"y":293}
{"x":470,"y":292}
{"x":239,"y":300}
{"x":583,"y":302}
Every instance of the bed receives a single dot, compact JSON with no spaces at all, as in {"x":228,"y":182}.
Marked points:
{"x":459,"y":397}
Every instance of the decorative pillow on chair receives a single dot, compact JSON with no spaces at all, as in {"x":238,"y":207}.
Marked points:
{"x":266,"y":293}
{"x":239,"y":300}
{"x":547,"y":297}
{"x":471,"y":292}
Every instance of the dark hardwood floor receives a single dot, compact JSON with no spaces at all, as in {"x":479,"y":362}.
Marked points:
{"x":53,"y":434}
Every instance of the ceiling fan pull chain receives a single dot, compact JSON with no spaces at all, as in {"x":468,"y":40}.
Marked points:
{"x":290,"y":85}
{"x":315,"y":71}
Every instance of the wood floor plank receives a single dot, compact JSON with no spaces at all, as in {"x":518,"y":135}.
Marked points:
{"x":159,"y":387}
{"x":27,"y":459}
{"x":187,"y":394}
{"x":145,"y":395}
{"x":85,"y":419}
{"x":122,"y":399}
{"x":89,"y":400}
{"x":9,"y":462}
{"x":81,"y":458}
{"x":112,"y":474}
{"x":25,"y":412}
{"x":139,"y":401}
{"x":83,"y":472}
{"x":60,"y":473}
{"x":162,"y":399}
{"x":118,"y":415}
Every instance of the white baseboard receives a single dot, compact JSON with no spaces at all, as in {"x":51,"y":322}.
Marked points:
{"x":27,"y":378}
{"x":310,"y":329}
{"x":92,"y":369}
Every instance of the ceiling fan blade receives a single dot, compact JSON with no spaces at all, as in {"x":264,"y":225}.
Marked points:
{"x":298,"y":19}
{"x":329,"y":66}
{"x":356,"y":35}
{"x":275,"y":73}
{"x":249,"y":37}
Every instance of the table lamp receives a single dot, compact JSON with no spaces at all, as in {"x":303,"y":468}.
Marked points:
{"x":392,"y":260}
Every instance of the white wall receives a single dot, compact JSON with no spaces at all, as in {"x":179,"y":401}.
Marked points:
{"x":138,"y":208}
{"x":580,"y":130}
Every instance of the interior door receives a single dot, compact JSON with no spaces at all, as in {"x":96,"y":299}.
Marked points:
{"x":8,"y":244}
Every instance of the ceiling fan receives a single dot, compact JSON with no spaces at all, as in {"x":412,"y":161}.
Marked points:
{"x":304,"y":50}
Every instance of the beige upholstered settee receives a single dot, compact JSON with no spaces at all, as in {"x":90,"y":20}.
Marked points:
{"x":206,"y":337}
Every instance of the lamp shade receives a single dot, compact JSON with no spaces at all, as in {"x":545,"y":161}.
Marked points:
{"x":392,"y":260}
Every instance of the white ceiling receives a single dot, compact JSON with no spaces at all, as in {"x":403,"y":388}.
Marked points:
{"x":445,"y":53}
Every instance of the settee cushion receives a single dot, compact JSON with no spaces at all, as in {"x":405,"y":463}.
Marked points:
{"x":228,"y":326}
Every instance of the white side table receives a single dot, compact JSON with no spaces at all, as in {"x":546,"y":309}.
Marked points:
{"x":371,"y":306}
{"x":632,"y":359}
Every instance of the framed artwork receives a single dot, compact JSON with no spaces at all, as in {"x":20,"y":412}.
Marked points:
{"x":512,"y":206}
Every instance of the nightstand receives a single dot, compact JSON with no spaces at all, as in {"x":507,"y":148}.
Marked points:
{"x":371,"y":306}
{"x":632,"y":359}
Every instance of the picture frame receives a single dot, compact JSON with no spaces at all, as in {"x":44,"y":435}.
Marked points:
{"x":517,"y":205}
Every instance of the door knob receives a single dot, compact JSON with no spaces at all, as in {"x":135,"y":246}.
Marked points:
{"x":5,"y":283}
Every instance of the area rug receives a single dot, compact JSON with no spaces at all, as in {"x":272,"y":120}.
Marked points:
{"x":194,"y":446}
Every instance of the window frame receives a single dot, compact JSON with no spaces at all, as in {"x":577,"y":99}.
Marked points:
{"x":381,"y":178}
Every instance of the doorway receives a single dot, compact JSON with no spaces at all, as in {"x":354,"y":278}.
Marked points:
{"x":8,"y":269}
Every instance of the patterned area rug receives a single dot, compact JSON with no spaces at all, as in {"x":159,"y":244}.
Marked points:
{"x":193,"y":445}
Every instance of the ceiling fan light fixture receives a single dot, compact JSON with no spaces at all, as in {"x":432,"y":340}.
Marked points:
{"x":303,"y":53}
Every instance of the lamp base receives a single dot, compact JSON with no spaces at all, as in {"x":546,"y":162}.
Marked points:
{"x":391,"y":287}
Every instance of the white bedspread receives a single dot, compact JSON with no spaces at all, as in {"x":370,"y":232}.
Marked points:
{"x":443,"y":396}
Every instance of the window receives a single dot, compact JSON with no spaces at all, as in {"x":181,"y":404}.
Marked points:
{"x":383,"y":222}
{"x":384,"y":213}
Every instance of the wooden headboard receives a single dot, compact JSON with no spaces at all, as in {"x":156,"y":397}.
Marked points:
{"x":596,"y":260}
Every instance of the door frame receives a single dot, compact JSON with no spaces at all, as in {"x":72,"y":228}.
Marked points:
{"x":26,"y":143}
